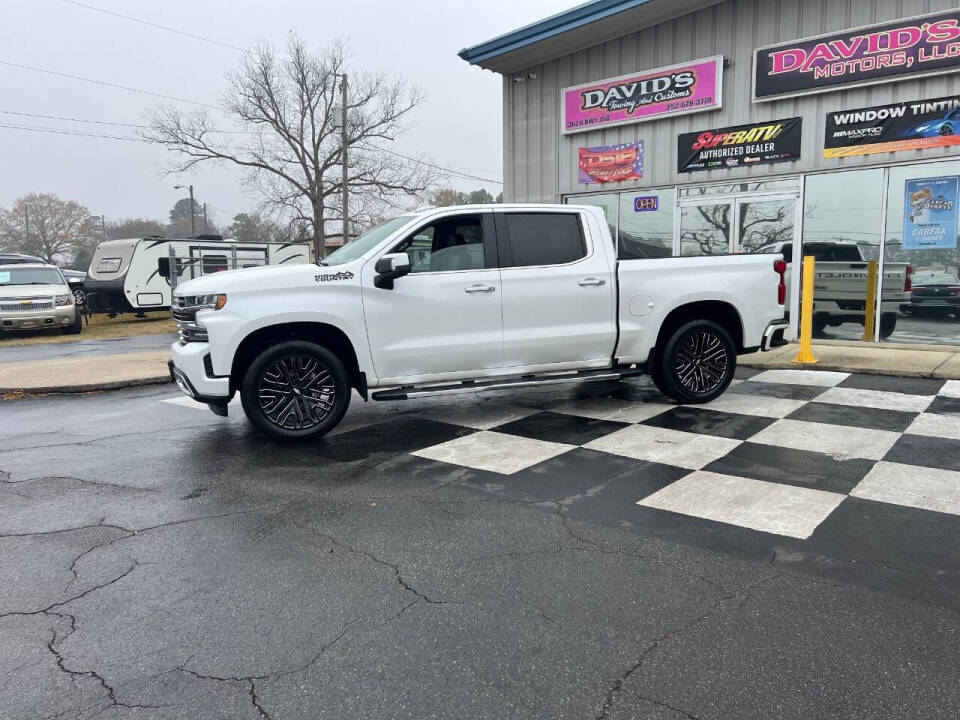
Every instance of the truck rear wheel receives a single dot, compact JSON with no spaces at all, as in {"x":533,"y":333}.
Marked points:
{"x":698,"y":362}
{"x":295,"y":390}
{"x":888,"y":323}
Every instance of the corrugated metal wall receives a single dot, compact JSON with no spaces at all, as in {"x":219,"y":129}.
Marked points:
{"x":540,"y":165}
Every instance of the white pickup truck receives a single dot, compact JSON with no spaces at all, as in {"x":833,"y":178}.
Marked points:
{"x":468,"y":298}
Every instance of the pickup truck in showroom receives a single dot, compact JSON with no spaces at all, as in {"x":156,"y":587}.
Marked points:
{"x":463,"y":299}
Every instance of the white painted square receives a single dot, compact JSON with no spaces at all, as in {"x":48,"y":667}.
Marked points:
{"x":881,"y":399}
{"x":755,"y":504}
{"x":820,"y":378}
{"x":758,"y":405}
{"x":661,"y":445}
{"x":951,"y":388}
{"x":493,"y":451}
{"x":840,"y":441}
{"x":911,"y":485}
{"x":480,"y":416}
{"x":612,"y":409}
{"x":941,"y":426}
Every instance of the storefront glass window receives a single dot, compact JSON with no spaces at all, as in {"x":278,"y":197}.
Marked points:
{"x":787,"y":184}
{"x":646,"y":224}
{"x":841,"y":229}
{"x":705,"y":229}
{"x":607,"y":202}
{"x":922,"y":233}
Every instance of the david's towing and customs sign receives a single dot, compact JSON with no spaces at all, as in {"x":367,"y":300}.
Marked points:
{"x":930,"y":214}
{"x":673,"y":90}
{"x":925,"y":45}
{"x":738,"y":145}
{"x":910,"y":125}
{"x":611,"y":163}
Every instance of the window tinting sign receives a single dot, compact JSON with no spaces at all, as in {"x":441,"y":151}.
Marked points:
{"x":911,"y":125}
{"x":738,"y":145}
{"x":930,"y":214}
{"x":885,"y":52}
{"x":646,"y":203}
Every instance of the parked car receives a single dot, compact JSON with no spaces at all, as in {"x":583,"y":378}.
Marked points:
{"x":468,"y":298}
{"x":36,"y":296}
{"x":133,"y":275}
{"x":934,"y":291}
{"x":18,"y":258}
{"x":840,"y":284}
{"x":75,"y":279}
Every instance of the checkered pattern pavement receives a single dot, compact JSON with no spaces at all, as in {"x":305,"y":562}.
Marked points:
{"x":780,"y":452}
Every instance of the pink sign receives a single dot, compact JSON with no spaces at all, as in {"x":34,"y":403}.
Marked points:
{"x":674,"y":90}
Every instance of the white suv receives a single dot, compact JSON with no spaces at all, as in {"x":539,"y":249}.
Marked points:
{"x":36,"y":296}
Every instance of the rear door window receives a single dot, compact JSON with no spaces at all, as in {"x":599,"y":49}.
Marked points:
{"x":537,"y":239}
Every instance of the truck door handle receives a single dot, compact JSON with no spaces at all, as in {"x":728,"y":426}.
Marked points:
{"x":591,"y":282}
{"x":479,"y":288}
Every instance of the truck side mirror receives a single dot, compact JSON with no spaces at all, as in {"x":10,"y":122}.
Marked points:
{"x":163,"y":267}
{"x":389,"y":268}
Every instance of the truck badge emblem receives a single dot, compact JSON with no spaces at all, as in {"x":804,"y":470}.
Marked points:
{"x":327,"y":277}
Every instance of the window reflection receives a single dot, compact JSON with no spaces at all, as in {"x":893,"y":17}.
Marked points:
{"x":646,"y":224}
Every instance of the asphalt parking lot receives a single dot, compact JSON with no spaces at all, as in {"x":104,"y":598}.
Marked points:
{"x":789,"y":551}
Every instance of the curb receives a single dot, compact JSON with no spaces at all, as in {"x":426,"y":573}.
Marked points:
{"x":90,"y":387}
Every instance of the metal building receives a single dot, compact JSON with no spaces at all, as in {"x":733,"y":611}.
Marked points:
{"x":712,"y":126}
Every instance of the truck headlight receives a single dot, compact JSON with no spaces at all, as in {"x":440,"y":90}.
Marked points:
{"x":209,"y":302}
{"x":61,"y":300}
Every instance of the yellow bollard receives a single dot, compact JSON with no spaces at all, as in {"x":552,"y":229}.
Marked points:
{"x":870,"y":319}
{"x":805,"y":356}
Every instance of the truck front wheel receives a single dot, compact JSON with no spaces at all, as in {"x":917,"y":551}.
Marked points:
{"x":295,"y":390}
{"x":698,"y":362}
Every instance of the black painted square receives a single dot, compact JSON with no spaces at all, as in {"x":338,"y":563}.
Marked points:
{"x":873,"y":418}
{"x":891,"y":383}
{"x":402,"y":435}
{"x":710,"y":422}
{"x":744,"y":373}
{"x":935,"y":452}
{"x":943,"y":405}
{"x":566,"y":475}
{"x":560,"y":428}
{"x":778,"y":390}
{"x":792,"y":467}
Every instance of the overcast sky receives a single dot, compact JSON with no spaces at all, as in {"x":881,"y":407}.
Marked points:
{"x":458,"y":126}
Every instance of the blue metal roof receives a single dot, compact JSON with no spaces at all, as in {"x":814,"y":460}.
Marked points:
{"x":548,"y":28}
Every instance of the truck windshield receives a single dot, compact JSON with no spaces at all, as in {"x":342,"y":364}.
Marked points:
{"x":370,"y":239}
{"x":29,"y":276}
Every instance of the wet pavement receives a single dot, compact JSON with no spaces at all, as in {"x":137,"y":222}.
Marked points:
{"x":588,"y":552}
{"x":85,"y":348}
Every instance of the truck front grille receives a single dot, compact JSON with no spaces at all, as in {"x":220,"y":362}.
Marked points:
{"x":26,"y":304}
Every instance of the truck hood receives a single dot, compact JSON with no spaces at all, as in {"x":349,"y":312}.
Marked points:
{"x":8,"y":291}
{"x":270,"y":278}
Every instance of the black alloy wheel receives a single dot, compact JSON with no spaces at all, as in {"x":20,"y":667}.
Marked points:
{"x":295,"y":389}
{"x":698,"y":362}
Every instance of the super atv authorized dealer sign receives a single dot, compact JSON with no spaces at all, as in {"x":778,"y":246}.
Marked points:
{"x":738,"y":145}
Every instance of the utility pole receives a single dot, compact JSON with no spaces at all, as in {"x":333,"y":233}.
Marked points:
{"x":193,"y":222}
{"x":205,"y":218}
{"x":343,"y":149}
{"x":103,"y":226}
{"x":26,"y":223}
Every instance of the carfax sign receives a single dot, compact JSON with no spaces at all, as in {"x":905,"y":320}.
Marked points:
{"x":911,"y":125}
{"x":930,"y":214}
{"x":738,"y":145}
{"x":925,"y":45}
{"x":673,"y":90}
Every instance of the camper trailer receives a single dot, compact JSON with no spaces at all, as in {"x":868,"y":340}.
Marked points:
{"x":137,"y":274}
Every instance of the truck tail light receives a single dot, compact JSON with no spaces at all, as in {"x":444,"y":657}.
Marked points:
{"x":953,"y":290}
{"x":780,"y":267}
{"x":908,"y":283}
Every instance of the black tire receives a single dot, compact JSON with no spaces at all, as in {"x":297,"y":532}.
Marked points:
{"x":656,"y":373}
{"x":888,"y":323}
{"x":820,"y":323}
{"x":295,"y":390}
{"x":77,"y":327}
{"x":697,"y":363}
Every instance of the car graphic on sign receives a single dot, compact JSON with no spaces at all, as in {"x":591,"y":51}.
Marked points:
{"x":949,"y":124}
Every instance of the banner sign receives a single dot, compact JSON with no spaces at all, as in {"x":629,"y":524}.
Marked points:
{"x":673,"y":90}
{"x":739,"y":145}
{"x":911,"y":125}
{"x":611,"y":163}
{"x":930,"y":214}
{"x":646,"y":203}
{"x":926,"y":45}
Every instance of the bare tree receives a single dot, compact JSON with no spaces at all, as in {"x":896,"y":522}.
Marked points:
{"x":45,"y":225}
{"x":290,"y":147}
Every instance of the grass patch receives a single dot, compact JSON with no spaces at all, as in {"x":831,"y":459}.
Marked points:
{"x":100,"y":326}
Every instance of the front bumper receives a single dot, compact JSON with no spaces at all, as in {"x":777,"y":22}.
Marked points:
{"x":57,"y":317}
{"x":190,"y":372}
{"x":773,"y":335}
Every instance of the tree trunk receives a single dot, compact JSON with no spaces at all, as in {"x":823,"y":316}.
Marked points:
{"x":319,"y":250}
